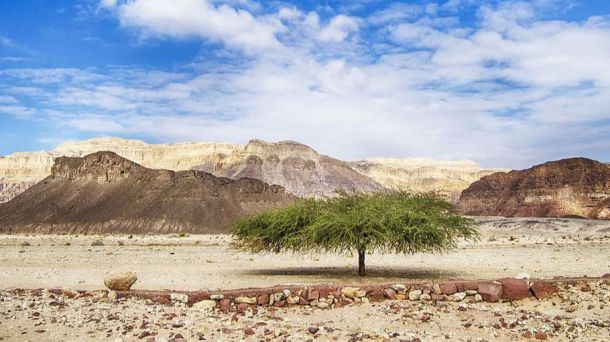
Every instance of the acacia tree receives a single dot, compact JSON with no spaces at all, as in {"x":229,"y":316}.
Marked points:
{"x":397,"y":222}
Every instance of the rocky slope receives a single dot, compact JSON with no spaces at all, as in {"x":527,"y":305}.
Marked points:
{"x":424,"y":175}
{"x":103,"y":192}
{"x":298,"y":168}
{"x":569,"y":187}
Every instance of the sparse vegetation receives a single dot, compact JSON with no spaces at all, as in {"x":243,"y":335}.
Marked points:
{"x":398,"y":222}
{"x":25,"y":244}
{"x":97,"y":243}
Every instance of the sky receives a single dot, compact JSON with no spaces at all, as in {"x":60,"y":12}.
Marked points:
{"x":504,"y":83}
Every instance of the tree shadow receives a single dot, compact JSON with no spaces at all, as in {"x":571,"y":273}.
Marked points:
{"x":372,"y":272}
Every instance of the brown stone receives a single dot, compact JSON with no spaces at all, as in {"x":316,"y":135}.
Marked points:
{"x":280,"y":303}
{"x":514,"y":289}
{"x":120,"y":281}
{"x":225,"y":305}
{"x":437,"y":297}
{"x":375,"y":295}
{"x":242,"y":307}
{"x":303,"y":301}
{"x":543,"y":289}
{"x":448,"y":288}
{"x":490,"y":292}
{"x":389,"y":294}
{"x":541,"y":336}
{"x":249,"y":332}
{"x":313,"y":295}
{"x":262,"y":299}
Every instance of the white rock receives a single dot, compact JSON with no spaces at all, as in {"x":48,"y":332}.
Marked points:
{"x":415,"y":294}
{"x":522,"y":275}
{"x":293,"y":300}
{"x":179,"y":298}
{"x":350,"y":292}
{"x":471,"y":292}
{"x":286,"y":293}
{"x":112,"y":295}
{"x":478,"y":298}
{"x":458,"y":297}
{"x":217,"y":296}
{"x":425,"y":297}
{"x":245,"y":300}
{"x":204,"y":305}
{"x":400,"y":288}
{"x":323,"y":305}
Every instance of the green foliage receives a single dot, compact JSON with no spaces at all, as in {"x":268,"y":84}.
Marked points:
{"x":400,"y":222}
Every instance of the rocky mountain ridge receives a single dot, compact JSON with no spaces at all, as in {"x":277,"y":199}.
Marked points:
{"x":105,"y":193}
{"x":297,"y":167}
{"x":575,"y":187}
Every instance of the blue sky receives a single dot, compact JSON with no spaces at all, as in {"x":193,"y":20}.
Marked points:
{"x":504,"y":83}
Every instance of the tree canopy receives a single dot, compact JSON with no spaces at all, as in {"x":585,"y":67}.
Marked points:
{"x":396,"y":222}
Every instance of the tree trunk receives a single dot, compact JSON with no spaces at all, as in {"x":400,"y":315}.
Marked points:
{"x":361,"y":270}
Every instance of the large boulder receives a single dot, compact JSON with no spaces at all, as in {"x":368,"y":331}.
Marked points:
{"x":543,"y":289}
{"x":120,"y":281}
{"x":490,"y":292}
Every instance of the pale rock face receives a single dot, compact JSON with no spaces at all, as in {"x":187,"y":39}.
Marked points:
{"x":424,"y":175}
{"x":296,"y":167}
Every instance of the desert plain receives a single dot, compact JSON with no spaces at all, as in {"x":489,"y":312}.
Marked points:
{"x":534,"y":248}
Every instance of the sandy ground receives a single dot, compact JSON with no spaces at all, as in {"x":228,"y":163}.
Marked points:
{"x":541,"y":248}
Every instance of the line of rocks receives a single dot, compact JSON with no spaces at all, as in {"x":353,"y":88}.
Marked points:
{"x":326,"y":297}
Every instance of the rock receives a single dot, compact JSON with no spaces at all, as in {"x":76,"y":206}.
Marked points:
{"x":458,"y":296}
{"x":572,"y":308}
{"x":112,"y":295}
{"x":415,"y":294}
{"x":179,"y":298}
{"x":313,"y":330}
{"x":262,"y":299}
{"x":425,"y":297}
{"x":350,"y":292}
{"x":246,"y":300}
{"x":120,"y":281}
{"x":278,"y":296}
{"x":448,"y":288}
{"x":541,"y":336}
{"x":249,"y":332}
{"x":389,"y":294}
{"x":543,"y":289}
{"x":217,"y":296}
{"x":490,"y":292}
{"x":323,"y":305}
{"x":471,"y":292}
{"x":225,"y":305}
{"x":204,"y":305}
{"x":313,"y":295}
{"x":437,"y":297}
{"x":436,"y":289}
{"x":514,"y":289}
{"x":286,"y":293}
{"x":360,"y":293}
{"x":399,"y":288}
{"x":293,"y":300}
{"x":478,"y":298}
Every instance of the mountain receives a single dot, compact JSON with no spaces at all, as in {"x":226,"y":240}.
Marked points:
{"x":298,"y":168}
{"x":571,"y":187}
{"x":105,"y":193}
{"x":423,"y":175}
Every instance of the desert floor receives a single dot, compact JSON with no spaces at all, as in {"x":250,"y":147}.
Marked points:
{"x":542,"y":248}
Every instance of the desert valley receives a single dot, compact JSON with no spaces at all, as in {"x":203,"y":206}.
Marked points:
{"x":88,"y":209}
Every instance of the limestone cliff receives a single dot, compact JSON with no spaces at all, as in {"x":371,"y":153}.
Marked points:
{"x":298,"y":168}
{"x":105,"y":193}
{"x":424,"y":175}
{"x":570,"y":187}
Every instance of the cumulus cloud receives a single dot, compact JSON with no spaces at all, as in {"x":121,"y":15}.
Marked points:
{"x":199,"y":18}
{"x":339,"y":28}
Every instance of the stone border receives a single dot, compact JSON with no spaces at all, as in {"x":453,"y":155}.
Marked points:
{"x":336,"y":296}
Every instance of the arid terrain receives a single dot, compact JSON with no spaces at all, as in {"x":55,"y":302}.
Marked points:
{"x":542,"y":248}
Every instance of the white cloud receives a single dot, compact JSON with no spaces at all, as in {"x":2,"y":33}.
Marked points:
{"x":108,"y":3}
{"x":339,"y":28}
{"x":236,"y":28}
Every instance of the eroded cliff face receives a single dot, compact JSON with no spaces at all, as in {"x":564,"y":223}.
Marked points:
{"x":424,"y":175}
{"x":105,"y":193}
{"x":296,"y":167}
{"x":570,"y":187}
{"x":300,"y":169}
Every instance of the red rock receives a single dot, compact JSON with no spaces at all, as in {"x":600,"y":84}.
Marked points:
{"x":514,"y":289}
{"x":303,"y":301}
{"x":242,"y":307}
{"x":144,"y":334}
{"x":262,"y":299}
{"x":463,"y":286}
{"x":249,"y":332}
{"x":280,"y":303}
{"x":389,"y":294}
{"x":313,"y":295}
{"x":543,"y":289}
{"x":437,"y":297}
{"x":448,"y":288}
{"x":490,"y":292}
{"x":541,"y":336}
{"x":375,"y":295}
{"x":527,"y":334}
{"x":606,"y":276}
{"x":225,"y":305}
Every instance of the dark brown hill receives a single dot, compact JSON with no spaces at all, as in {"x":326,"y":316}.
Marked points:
{"x":105,"y":193}
{"x":571,"y":187}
